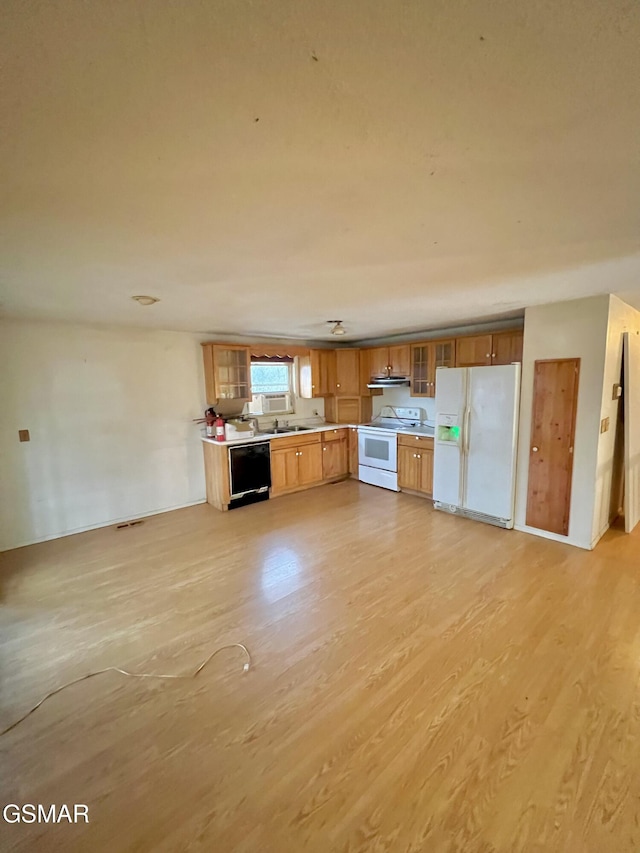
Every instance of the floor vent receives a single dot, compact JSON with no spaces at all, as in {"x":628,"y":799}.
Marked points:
{"x":128,"y":524}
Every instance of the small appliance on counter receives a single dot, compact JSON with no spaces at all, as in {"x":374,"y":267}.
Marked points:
{"x":236,"y":429}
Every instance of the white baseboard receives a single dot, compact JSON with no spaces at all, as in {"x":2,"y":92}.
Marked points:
{"x":555,"y":537}
{"x":109,"y":523}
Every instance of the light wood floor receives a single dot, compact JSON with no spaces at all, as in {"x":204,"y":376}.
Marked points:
{"x":420,"y":683}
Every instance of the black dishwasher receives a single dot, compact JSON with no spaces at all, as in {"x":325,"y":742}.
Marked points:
{"x":249,"y":473}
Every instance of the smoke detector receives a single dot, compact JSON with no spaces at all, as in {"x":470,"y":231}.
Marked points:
{"x":145,"y":300}
{"x":338,"y":328}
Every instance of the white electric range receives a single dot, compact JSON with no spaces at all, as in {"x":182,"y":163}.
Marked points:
{"x":378,"y":444}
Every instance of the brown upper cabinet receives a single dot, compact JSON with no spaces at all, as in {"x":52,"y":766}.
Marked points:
{"x":317,"y":373}
{"x":347,"y":373}
{"x":389,"y":361}
{"x":507,"y":347}
{"x":425,"y":357}
{"x":227,"y":372}
{"x":499,"y":348}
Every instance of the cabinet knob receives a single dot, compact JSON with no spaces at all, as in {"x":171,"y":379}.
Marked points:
{"x":535,"y":449}
{"x":419,"y":456}
{"x":493,"y":355}
{"x":488,"y":355}
{"x":325,"y":447}
{"x":338,"y":385}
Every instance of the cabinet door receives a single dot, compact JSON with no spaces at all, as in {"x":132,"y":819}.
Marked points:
{"x":426,"y":472}
{"x":443,"y":354}
{"x":421,"y":370}
{"x":347,"y":372}
{"x":328,"y":371}
{"x":400,"y":360}
{"x":322,"y":372}
{"x":309,"y":464}
{"x":474,"y":351}
{"x":379,"y":361}
{"x":232,"y":370}
{"x":353,"y":452}
{"x":334,"y":459}
{"x":284,"y":469}
{"x":408,"y":468}
{"x":209,"y":374}
{"x":507,"y":347}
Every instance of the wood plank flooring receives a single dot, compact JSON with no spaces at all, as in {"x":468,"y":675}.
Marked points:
{"x":419,"y":683}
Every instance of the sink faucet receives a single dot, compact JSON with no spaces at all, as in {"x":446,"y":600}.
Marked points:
{"x":275,"y":423}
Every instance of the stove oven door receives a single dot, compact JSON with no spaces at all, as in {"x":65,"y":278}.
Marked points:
{"x":378,"y":449}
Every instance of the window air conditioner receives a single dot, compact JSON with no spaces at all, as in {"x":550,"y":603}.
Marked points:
{"x":273,"y":404}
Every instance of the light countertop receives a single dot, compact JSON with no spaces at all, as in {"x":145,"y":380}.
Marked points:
{"x":267,"y":436}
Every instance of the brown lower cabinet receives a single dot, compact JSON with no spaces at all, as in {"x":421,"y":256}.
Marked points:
{"x":295,"y":467}
{"x":299,"y":462}
{"x":415,"y":464}
{"x":353,"y":452}
{"x":335,"y":454}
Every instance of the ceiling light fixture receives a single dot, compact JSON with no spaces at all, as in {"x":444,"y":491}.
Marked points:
{"x":145,"y":300}
{"x":338,"y":328}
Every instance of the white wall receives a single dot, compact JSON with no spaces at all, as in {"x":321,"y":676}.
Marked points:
{"x":574,"y":329}
{"x":622,"y":318}
{"x":109,"y":412}
{"x":401,"y":397}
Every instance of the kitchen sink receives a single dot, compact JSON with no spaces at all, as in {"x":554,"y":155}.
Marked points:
{"x":291,"y":429}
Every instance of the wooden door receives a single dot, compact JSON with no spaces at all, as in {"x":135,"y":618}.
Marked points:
{"x":334,"y":459}
{"x":421,"y":370}
{"x":553,"y":423}
{"x":353,"y":452}
{"x":400,"y":360}
{"x":379,"y":361}
{"x":309,"y":464}
{"x":347,"y":372}
{"x":426,"y":472}
{"x":507,"y":347}
{"x":474,"y":351}
{"x":408,"y":468}
{"x":284,"y":469}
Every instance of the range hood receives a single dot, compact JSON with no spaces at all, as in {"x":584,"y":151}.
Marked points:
{"x":388,"y":381}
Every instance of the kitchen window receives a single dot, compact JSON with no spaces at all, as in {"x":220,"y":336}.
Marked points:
{"x":272,"y":379}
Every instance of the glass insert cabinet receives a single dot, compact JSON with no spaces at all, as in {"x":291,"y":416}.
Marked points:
{"x":227,"y":371}
{"x":425,"y":358}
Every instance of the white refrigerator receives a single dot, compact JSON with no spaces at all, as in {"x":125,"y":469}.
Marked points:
{"x":474,"y":466}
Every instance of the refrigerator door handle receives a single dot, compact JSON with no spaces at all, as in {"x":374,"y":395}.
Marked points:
{"x":465,"y":430}
{"x":464,"y":450}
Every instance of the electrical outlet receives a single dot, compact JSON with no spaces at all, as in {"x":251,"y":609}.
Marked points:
{"x":23,"y":435}
{"x":604,"y":425}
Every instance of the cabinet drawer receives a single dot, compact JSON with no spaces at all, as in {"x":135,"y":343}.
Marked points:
{"x":298,"y":439}
{"x":334,"y":434}
{"x":422,"y":441}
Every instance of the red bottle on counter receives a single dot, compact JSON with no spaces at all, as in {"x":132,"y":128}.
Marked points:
{"x":219,"y":425}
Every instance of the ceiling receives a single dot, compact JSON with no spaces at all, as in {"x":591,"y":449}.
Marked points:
{"x":262,"y":166}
